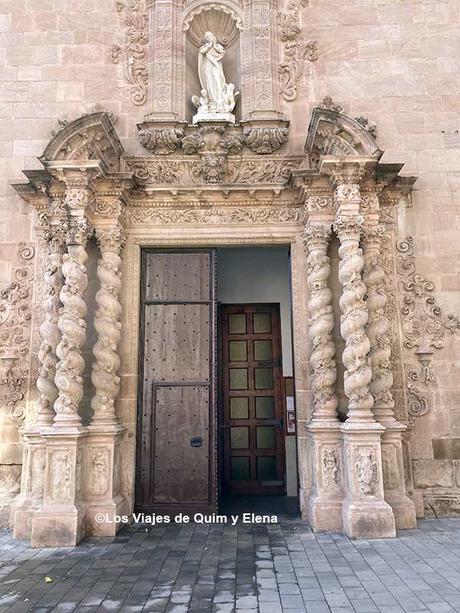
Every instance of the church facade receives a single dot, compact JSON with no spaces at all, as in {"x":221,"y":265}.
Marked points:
{"x":231,"y":263}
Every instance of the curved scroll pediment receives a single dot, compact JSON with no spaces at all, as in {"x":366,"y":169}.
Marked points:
{"x":333,"y":133}
{"x":90,"y":137}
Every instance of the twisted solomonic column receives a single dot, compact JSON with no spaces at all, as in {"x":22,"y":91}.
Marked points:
{"x":322,"y":358}
{"x":72,"y":325}
{"x":378,"y":330}
{"x":54,"y":235}
{"x":358,"y":373}
{"x":378,"y":327}
{"x":108,"y":327}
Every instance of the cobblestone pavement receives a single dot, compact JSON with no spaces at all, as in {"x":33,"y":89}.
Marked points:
{"x":220,"y":568}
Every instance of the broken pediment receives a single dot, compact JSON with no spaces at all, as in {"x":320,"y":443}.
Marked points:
{"x":331,"y":132}
{"x":90,"y":137}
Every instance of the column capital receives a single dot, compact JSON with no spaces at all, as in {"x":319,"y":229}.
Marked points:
{"x":348,"y":227}
{"x":110,"y":239}
{"x":317,"y":235}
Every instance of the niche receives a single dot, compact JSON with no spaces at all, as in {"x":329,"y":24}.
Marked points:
{"x":226,"y":25}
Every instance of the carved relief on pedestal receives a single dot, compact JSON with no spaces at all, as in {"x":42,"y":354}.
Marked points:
{"x":107,"y":324}
{"x":99,"y":459}
{"x":358,"y":373}
{"x":131,"y":53}
{"x":392,"y":477}
{"x":367,"y":472}
{"x":297,"y":51}
{"x":330,"y":468}
{"x":60,"y":476}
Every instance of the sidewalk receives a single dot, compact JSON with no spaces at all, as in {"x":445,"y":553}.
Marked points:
{"x":220,"y":568}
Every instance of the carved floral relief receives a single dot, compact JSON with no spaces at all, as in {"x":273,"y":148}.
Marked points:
{"x":131,"y":53}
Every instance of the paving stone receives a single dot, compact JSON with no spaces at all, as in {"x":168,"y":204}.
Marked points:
{"x":266,"y":569}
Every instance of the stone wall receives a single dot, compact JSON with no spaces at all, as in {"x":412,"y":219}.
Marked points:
{"x":392,"y":61}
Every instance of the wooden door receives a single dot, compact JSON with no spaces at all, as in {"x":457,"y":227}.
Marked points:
{"x":176,"y":462}
{"x":252,"y":401}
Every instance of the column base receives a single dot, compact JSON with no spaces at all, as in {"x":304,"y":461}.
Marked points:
{"x":58,"y":527}
{"x":108,"y":512}
{"x":103,"y":498}
{"x":324,"y":504}
{"x":404,"y":512}
{"x":368,"y":520}
{"x":365,"y":512}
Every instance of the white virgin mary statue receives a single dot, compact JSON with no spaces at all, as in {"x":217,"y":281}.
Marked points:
{"x":217,"y":97}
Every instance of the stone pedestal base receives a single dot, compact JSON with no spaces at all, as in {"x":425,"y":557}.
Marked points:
{"x":368,"y":520}
{"x":58,"y":527}
{"x":324,"y":504}
{"x":393,"y":476}
{"x":102,"y":469}
{"x":365,"y":513}
{"x":60,"y":521}
{"x":33,"y":475}
{"x":10,"y":465}
{"x":213,"y":118}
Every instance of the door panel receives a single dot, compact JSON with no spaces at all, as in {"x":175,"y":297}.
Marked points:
{"x":252,"y":401}
{"x":175,"y":457}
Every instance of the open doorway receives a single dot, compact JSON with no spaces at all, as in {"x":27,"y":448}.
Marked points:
{"x":256,"y":412}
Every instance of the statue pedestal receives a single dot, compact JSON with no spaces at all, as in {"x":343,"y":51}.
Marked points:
{"x":213,"y":118}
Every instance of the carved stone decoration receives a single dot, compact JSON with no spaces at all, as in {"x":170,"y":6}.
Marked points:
{"x":323,"y":370}
{"x":49,"y":329}
{"x":423,"y":325}
{"x":15,"y":322}
{"x":329,"y":104}
{"x":370,"y":126}
{"x":366,"y":470}
{"x":358,"y":373}
{"x":330,"y":468}
{"x":131,"y":53}
{"x":60,"y":466}
{"x":265,"y":140}
{"x":297,"y":52}
{"x":99,"y":458}
{"x":161,"y":141}
{"x":179,"y":174}
{"x":242,"y":215}
{"x":108,"y":327}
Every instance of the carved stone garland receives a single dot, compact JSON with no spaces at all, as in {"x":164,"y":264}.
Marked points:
{"x":108,"y":327}
{"x":358,"y":373}
{"x":49,"y":329}
{"x":322,"y":357}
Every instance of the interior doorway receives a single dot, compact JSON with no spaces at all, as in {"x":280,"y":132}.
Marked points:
{"x":256,"y":408}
